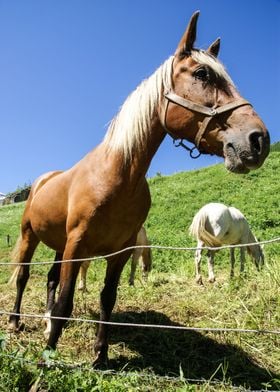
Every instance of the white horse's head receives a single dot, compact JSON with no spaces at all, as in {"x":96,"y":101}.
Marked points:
{"x":257,"y":255}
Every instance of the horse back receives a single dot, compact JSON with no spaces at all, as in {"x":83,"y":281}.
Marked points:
{"x":95,"y":201}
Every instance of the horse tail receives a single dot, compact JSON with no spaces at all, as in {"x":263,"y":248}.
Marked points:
{"x":14,"y":258}
{"x":198,"y":230}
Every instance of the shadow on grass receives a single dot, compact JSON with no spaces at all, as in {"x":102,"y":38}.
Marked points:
{"x":199,"y":357}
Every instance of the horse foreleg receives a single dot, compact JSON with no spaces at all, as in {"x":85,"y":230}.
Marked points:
{"x":197,"y":260}
{"x":232,"y":262}
{"x":23,"y":254}
{"x":107,"y":301}
{"x":242,"y":258}
{"x":210,"y":260}
{"x":53,"y":280}
{"x":64,"y":304}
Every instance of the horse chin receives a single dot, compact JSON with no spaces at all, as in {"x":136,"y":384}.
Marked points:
{"x":236,"y":167}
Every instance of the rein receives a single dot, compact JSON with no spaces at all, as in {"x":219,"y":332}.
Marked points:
{"x":210,"y":113}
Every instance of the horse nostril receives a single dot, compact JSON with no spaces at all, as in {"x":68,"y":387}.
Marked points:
{"x":256,"y":140}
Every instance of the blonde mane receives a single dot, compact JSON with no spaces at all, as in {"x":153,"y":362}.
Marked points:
{"x":129,"y":127}
{"x":204,"y":58}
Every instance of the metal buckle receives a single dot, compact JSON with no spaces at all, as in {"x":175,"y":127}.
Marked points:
{"x":191,"y":150}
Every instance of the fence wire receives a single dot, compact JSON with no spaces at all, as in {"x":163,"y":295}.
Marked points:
{"x":82,"y":366}
{"x":139,"y":325}
{"x":159,"y":247}
{"x":85,"y":367}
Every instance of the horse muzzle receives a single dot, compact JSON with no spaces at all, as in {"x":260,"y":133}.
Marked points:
{"x":246,"y":152}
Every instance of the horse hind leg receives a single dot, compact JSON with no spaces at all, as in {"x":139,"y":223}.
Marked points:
{"x":83,"y":276}
{"x":146,"y":262}
{"x":210,"y":260}
{"x":197,"y":261}
{"x":22,"y":254}
{"x":53,"y":281}
{"x":134,"y":261}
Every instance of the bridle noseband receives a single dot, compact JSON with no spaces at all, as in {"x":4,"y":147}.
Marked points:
{"x":210,"y":113}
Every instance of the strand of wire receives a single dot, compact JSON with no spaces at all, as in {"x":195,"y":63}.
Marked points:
{"x":161,"y":247}
{"x":84,"y":366}
{"x":136,"y":325}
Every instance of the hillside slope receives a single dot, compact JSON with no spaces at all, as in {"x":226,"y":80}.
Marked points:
{"x":171,"y":296}
{"x":176,"y":198}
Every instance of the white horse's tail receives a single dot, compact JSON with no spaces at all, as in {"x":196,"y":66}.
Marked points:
{"x":198,"y":230}
{"x":14,"y":258}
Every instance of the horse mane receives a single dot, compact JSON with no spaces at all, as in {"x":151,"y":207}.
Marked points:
{"x":204,"y":58}
{"x":130,"y":126}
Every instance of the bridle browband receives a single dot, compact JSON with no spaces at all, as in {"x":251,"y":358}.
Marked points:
{"x":210,"y":113}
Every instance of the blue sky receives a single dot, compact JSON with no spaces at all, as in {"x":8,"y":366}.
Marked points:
{"x":67,"y":66}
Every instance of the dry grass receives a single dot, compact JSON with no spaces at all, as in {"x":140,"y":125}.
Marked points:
{"x":143,"y":358}
{"x":250,"y":360}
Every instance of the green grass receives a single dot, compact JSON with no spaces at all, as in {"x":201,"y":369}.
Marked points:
{"x":153,"y":359}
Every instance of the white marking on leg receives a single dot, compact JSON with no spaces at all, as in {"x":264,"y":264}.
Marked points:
{"x":47,"y":322}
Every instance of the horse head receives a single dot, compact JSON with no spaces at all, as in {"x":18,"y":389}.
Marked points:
{"x":204,"y":107}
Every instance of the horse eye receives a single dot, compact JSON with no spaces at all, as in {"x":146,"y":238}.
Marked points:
{"x":201,"y":74}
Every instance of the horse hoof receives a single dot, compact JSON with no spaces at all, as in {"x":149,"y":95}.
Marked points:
{"x":15,"y":327}
{"x":83,"y":289}
{"x":12,"y":327}
{"x":199,"y":281}
{"x":101,"y":361}
{"x":211,"y":280}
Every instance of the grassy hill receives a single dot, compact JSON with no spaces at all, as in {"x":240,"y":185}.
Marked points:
{"x":171,"y":296}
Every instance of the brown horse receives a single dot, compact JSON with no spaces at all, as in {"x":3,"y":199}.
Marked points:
{"x":98,"y":206}
{"x":141,"y":255}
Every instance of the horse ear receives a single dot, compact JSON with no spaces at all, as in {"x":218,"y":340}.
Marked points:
{"x":214,"y":48}
{"x":188,"y":39}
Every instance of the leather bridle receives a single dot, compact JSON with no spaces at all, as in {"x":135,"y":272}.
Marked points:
{"x":209,"y":113}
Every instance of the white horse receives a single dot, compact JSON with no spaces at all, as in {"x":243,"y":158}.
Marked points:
{"x":215,"y":225}
{"x":143,"y":255}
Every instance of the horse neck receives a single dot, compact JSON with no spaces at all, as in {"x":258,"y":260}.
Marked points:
{"x":251,"y":238}
{"x":254,"y":249}
{"x":136,"y":132}
{"x":136,"y":166}
{"x":143,"y":156}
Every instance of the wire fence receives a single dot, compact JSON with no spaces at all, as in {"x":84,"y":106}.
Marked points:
{"x":138,"y":325}
{"x":159,"y":247}
{"x":148,"y":376}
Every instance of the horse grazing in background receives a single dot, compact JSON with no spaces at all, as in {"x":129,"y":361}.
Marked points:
{"x":98,"y":206}
{"x":215,"y":225}
{"x":141,"y":255}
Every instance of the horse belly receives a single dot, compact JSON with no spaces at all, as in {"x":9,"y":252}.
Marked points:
{"x":48,"y":220}
{"x":115,"y":225}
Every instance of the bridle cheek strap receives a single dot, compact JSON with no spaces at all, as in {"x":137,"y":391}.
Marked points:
{"x":196,"y":107}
